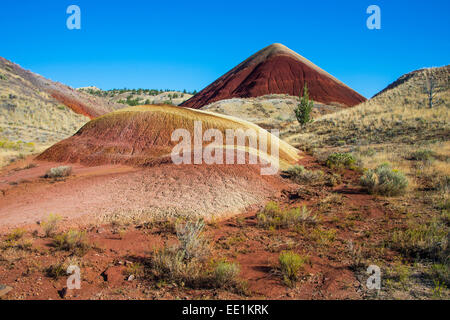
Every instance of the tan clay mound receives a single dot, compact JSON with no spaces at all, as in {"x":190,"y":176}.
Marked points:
{"x":102,"y":194}
{"x":142,"y":136}
{"x":276,"y":70}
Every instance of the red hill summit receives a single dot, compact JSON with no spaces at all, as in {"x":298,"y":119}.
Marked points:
{"x":276,"y":69}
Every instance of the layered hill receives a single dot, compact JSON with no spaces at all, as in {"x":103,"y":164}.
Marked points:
{"x":142,"y":136}
{"x":276,"y":70}
{"x":122,"y":167}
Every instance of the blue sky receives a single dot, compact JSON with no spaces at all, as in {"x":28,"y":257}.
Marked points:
{"x":188,"y":44}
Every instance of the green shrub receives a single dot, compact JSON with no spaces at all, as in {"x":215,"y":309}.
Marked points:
{"x":423,"y":240}
{"x":134,"y":269}
{"x":16,"y":145}
{"x":50,"y":225}
{"x":59,"y":172}
{"x":60,"y":269}
{"x":384,"y":181}
{"x":290,"y":265}
{"x":299,"y":174}
{"x":423,"y":155}
{"x":15,"y":240}
{"x":441,"y":272}
{"x":226,"y":274}
{"x":56,"y":271}
{"x":16,"y":234}
{"x":323,"y":236}
{"x":72,"y":240}
{"x":170,"y":263}
{"x":272,"y":216}
{"x":191,"y":240}
{"x":183,"y":263}
{"x":340,"y":161}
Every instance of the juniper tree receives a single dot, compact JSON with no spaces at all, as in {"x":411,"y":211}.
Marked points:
{"x":303,"y":110}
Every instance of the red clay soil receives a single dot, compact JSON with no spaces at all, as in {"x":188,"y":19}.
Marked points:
{"x":276,"y":70}
{"x":331,"y":272}
{"x":99,"y":192}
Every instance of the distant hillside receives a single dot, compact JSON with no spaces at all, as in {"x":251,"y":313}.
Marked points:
{"x":79,"y":102}
{"x":274,"y":111}
{"x":36,"y":112}
{"x":134,"y":97}
{"x":399,"y":113}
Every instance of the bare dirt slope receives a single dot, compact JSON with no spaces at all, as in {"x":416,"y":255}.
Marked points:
{"x":276,"y":70}
{"x":101,"y":194}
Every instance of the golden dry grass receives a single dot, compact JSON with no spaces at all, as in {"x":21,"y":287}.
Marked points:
{"x":399,"y":115}
{"x":30,"y":115}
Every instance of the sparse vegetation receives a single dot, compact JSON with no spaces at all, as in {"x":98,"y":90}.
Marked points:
{"x":56,"y":271}
{"x":72,"y":240}
{"x":17,"y":145}
{"x":134,"y":97}
{"x":183,"y":263}
{"x":299,"y":174}
{"x":423,"y":155}
{"x":15,"y":239}
{"x":171,"y":264}
{"x":290,"y":265}
{"x":323,"y":236}
{"x":50,"y":225}
{"x":134,"y":269}
{"x":59,"y":269}
{"x":272,"y":216}
{"x":384,"y":181}
{"x":16,"y":234}
{"x":429,"y":240}
{"x":58,"y":172}
{"x":340,"y":161}
{"x":186,"y":262}
{"x":225,"y":274}
{"x":192,"y":243}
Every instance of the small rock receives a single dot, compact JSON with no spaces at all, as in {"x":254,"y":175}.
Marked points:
{"x":131,"y":277}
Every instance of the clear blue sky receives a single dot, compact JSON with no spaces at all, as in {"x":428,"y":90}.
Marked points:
{"x":188,"y":44}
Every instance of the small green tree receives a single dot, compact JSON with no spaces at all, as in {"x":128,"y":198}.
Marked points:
{"x":303,"y":110}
